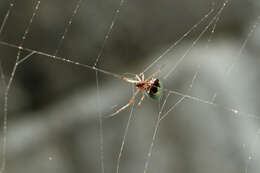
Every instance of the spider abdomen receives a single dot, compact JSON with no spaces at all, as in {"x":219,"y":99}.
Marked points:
{"x":155,"y":90}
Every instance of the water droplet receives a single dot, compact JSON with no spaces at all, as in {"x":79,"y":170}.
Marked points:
{"x":235,"y":111}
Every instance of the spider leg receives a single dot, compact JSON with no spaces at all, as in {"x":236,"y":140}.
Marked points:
{"x":141,"y":100}
{"x":128,"y":104}
{"x":138,"y":78}
{"x":142,"y":76}
{"x":130,"y":80}
{"x":135,"y":75}
{"x":130,"y":73}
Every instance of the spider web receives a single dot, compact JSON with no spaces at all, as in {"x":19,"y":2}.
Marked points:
{"x":174,"y":101}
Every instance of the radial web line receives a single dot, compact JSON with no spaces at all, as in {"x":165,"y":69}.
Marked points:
{"x":235,"y":111}
{"x":109,"y":31}
{"x":2,"y":75}
{"x":125,"y":134}
{"x":155,"y":130}
{"x":159,"y":118}
{"x":238,"y":56}
{"x":249,"y":35}
{"x":252,"y":153}
{"x":11,"y":4}
{"x":3,"y":86}
{"x":101,"y":138}
{"x":25,"y":58}
{"x":172,"y":108}
{"x":197,"y":39}
{"x":67,"y":27}
{"x":9,"y":83}
{"x":179,"y":40}
{"x":61,"y":59}
{"x":207,"y":45}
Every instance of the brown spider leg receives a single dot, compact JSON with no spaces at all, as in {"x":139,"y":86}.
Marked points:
{"x":135,"y":75}
{"x":141,"y":76}
{"x":129,"y":80}
{"x":128,"y":104}
{"x":141,"y":100}
{"x":138,"y":78}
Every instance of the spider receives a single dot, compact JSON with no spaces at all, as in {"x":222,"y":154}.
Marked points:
{"x":151,"y":87}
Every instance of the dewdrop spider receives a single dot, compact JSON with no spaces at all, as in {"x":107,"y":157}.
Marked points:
{"x":151,"y":87}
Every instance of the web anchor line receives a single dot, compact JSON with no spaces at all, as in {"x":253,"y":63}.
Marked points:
{"x":235,"y":111}
{"x":6,"y":17}
{"x":252,"y":153}
{"x":9,"y":84}
{"x":100,"y":53}
{"x":125,"y":133}
{"x":4,"y":83}
{"x":197,"y":39}
{"x":109,"y":31}
{"x":157,"y":125}
{"x":170,"y":48}
{"x":60,"y":59}
{"x":65,"y":32}
{"x":196,"y":74}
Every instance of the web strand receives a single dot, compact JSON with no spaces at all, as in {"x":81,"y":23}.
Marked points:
{"x":3,"y":80}
{"x":109,"y":31}
{"x":229,"y":69}
{"x":208,"y":42}
{"x":172,"y":108}
{"x":6,"y":16}
{"x":2,"y":75}
{"x":159,"y":118}
{"x":249,"y":35}
{"x":25,"y":58}
{"x":178,"y":41}
{"x":8,"y":86}
{"x":3,"y":86}
{"x":235,"y":111}
{"x":67,"y":27}
{"x":252,"y":153}
{"x":60,"y":59}
{"x":197,"y":39}
{"x":154,"y":135}
{"x":238,"y":56}
{"x":125,"y":134}
{"x":100,"y":120}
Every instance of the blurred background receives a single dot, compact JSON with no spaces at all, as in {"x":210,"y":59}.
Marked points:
{"x":53,"y":123}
